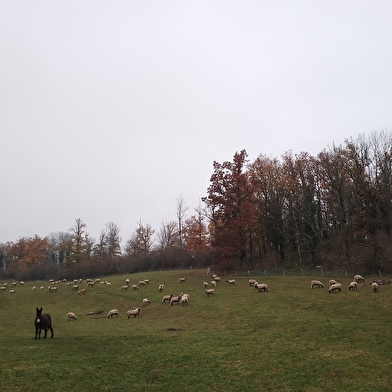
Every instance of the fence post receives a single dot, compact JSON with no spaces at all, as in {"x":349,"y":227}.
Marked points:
{"x":322,"y":273}
{"x":283,"y":272}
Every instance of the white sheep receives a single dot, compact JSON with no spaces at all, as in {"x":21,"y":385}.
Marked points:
{"x":146,"y":281}
{"x":374,"y":286}
{"x":82,"y":292}
{"x":182,"y":280}
{"x":216,"y":278}
{"x":142,"y":283}
{"x":335,"y":287}
{"x":184,"y":299}
{"x":161,"y":287}
{"x":261,"y":287}
{"x":12,"y":291}
{"x":252,"y":282}
{"x":53,"y":289}
{"x":146,"y":302}
{"x":353,"y":286}
{"x":316,"y":283}
{"x":33,"y":287}
{"x":127,"y":281}
{"x":75,"y":287}
{"x":209,"y":292}
{"x":358,"y":278}
{"x":166,"y":298}
{"x":133,"y":312}
{"x":124,"y":287}
{"x":175,"y":300}
{"x":71,"y":316}
{"x":231,"y":282}
{"x":213,"y":283}
{"x":135,"y":287}
{"x":331,"y":282}
{"x":111,"y":313}
{"x":205,"y":284}
{"x":2,"y":288}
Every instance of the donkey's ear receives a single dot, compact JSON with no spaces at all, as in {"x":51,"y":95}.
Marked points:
{"x":36,"y":309}
{"x":40,"y":309}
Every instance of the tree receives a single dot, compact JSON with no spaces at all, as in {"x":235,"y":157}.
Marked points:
{"x":78,"y":246}
{"x":141,"y":242}
{"x":181,"y":210}
{"x":231,"y":209}
{"x":168,"y":236}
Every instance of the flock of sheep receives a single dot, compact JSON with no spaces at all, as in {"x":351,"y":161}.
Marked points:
{"x":181,"y":298}
{"x":334,"y":286}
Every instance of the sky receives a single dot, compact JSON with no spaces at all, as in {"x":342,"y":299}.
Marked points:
{"x":110,"y":111}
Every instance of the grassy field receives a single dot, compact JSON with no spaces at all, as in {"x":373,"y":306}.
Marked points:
{"x":292,"y":338}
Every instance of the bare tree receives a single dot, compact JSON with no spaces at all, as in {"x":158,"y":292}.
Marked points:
{"x":181,"y":210}
{"x":141,"y":241}
{"x":168,"y":236}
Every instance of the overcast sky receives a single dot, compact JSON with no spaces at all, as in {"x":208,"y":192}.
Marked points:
{"x":110,"y":110}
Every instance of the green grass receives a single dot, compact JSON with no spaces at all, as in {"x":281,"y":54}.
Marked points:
{"x":290,"y":339}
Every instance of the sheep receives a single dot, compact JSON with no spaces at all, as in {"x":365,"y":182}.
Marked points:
{"x":216,"y":279}
{"x":261,"y":287}
{"x":374,"y":286}
{"x":111,"y":313}
{"x":13,"y":284}
{"x":209,"y":292}
{"x":213,"y":283}
{"x":205,"y":284}
{"x":82,"y":292}
{"x":71,"y":316}
{"x":252,"y":282}
{"x":146,"y":302}
{"x":91,"y":284}
{"x":166,"y":298}
{"x":127,"y":281}
{"x":21,"y":283}
{"x":353,"y":286}
{"x":75,"y":287}
{"x":358,"y":278}
{"x":133,"y":312}
{"x":331,"y":282}
{"x":2,"y":288}
{"x":175,"y":300}
{"x":184,"y":299}
{"x":124,"y":287}
{"x":142,"y":283}
{"x":161,"y":287}
{"x":316,"y":283}
{"x":135,"y":287}
{"x":12,"y":291}
{"x":335,"y":287}
{"x":53,"y":289}
{"x":182,"y":280}
{"x":231,"y":282}
{"x":41,"y":287}
{"x":146,"y":281}
{"x":33,"y":287}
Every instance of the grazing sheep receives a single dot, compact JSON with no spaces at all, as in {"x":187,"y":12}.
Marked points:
{"x":142,"y":283}
{"x":41,"y":287}
{"x":133,"y":312}
{"x":146,"y":302}
{"x":161,"y":287}
{"x":316,"y":283}
{"x":91,"y":284}
{"x":209,"y":292}
{"x":53,"y":289}
{"x":82,"y":292}
{"x":213,"y":283}
{"x":261,"y":287}
{"x":111,"y":313}
{"x":127,"y":281}
{"x":124,"y":287}
{"x":135,"y":287}
{"x":75,"y":287}
{"x":13,"y":284}
{"x":331,"y":282}
{"x":335,"y":287}
{"x":205,"y":284}
{"x":252,"y":282}
{"x":374,"y":286}
{"x":216,"y":278}
{"x":358,"y":278}
{"x":353,"y":286}
{"x":12,"y":291}
{"x":71,"y":316}
{"x":182,"y":280}
{"x":175,"y":300}
{"x":231,"y":282}
{"x":146,"y":281}
{"x":21,"y":283}
{"x":167,"y":298}
{"x":33,"y":287}
{"x":184,"y":299}
{"x":2,"y":288}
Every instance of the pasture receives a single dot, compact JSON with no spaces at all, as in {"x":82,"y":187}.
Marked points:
{"x":292,"y":338}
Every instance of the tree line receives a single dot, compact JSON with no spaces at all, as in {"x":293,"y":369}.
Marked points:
{"x":330,"y":210}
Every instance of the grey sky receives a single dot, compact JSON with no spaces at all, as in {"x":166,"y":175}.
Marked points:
{"x":111,"y":110}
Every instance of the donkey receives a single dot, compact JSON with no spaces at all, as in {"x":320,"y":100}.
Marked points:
{"x":42,"y":321}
